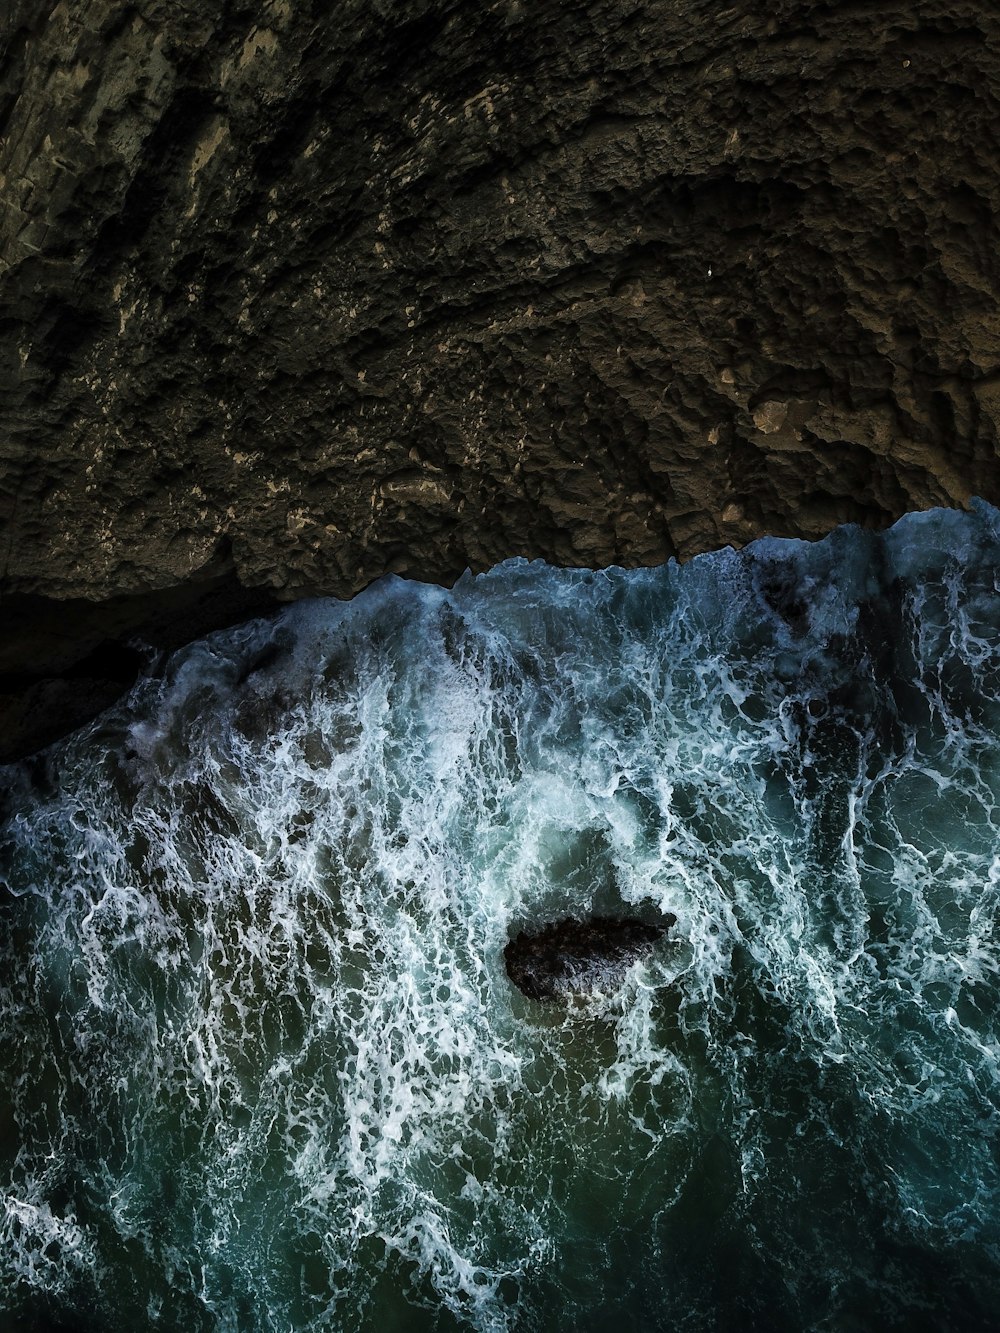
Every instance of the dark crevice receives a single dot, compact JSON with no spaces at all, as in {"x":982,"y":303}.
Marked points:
{"x":168,"y":144}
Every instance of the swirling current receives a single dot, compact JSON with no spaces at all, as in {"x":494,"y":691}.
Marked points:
{"x":262,"y":1067}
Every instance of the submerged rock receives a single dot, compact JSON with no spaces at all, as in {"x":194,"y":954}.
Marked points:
{"x":571,"y":957}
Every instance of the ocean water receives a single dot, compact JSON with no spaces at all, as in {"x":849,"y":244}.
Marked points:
{"x":261,"y":1067}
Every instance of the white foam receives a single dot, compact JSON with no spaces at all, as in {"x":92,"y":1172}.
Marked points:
{"x":273,"y":931}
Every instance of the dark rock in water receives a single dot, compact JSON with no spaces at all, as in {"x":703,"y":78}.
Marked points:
{"x":571,"y":957}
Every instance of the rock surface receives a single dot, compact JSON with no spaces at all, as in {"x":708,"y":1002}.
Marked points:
{"x":571,"y":957}
{"x":295,"y":295}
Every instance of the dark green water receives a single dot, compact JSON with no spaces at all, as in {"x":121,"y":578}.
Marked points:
{"x":262,"y":1068}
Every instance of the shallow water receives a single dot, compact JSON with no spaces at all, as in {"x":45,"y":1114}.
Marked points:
{"x":262,"y":1067}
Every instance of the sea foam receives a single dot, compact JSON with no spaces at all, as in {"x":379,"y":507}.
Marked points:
{"x":262,"y":1065}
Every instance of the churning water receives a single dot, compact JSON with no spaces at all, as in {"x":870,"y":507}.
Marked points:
{"x":262,"y":1067}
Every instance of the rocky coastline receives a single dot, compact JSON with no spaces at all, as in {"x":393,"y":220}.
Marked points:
{"x":297,"y":296}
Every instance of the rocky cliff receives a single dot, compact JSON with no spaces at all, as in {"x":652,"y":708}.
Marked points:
{"x":297,"y":294}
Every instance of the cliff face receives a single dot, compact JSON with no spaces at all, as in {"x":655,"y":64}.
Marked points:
{"x":294,"y":295}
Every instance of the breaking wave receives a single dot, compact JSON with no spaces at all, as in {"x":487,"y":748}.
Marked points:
{"x":262,"y":1067}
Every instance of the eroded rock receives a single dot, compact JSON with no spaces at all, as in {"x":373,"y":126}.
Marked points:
{"x":360,"y":289}
{"x":572,"y":957}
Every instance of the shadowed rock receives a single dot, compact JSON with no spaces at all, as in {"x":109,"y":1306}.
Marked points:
{"x":342,"y":291}
{"x":571,"y":957}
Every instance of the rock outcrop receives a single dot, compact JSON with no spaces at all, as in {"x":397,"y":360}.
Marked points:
{"x":572,"y":957}
{"x":294,"y":295}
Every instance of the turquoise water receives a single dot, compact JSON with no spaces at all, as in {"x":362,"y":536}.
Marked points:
{"x":262,"y":1067}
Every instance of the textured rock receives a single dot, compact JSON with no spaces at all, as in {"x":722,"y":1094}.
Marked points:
{"x":571,"y":957}
{"x":320,"y":292}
